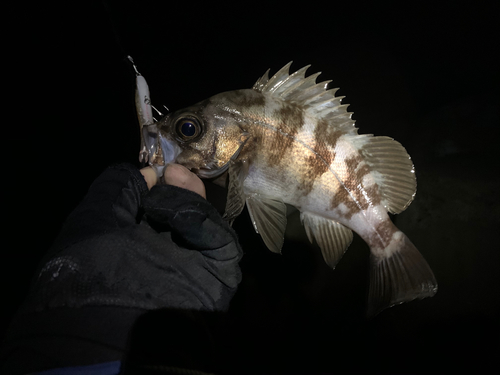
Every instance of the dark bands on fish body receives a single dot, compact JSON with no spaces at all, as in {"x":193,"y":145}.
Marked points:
{"x":289,"y":119}
{"x":245,"y":99}
{"x":342,"y":197}
{"x":383,"y":234}
{"x":358,"y":199}
{"x":320,"y":162}
{"x":325,"y":141}
{"x":324,"y":131}
{"x":317,"y":164}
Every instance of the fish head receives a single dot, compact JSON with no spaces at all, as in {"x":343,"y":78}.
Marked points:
{"x":210,"y":134}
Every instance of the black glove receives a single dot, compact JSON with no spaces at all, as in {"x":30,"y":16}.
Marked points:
{"x":123,"y":251}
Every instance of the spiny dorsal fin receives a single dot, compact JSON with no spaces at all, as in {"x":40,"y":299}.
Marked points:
{"x":392,"y":169}
{"x":261,"y":82}
{"x":315,"y":97}
{"x":278,"y":79}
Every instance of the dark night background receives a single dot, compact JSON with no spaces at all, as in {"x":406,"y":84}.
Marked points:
{"x":424,"y":74}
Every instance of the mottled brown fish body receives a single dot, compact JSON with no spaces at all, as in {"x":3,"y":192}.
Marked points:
{"x":296,"y":157}
{"x":289,"y":140}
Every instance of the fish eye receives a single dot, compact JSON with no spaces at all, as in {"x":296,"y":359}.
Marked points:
{"x":187,"y":128}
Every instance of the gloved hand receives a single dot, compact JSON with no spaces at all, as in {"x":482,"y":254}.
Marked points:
{"x":125,"y":245}
{"x":130,"y":247}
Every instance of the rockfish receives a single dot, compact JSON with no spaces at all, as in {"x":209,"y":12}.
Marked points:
{"x":289,"y":140}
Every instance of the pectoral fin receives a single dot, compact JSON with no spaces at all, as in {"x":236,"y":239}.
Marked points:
{"x":235,"y":202}
{"x":269,"y":220}
{"x":333,"y":238}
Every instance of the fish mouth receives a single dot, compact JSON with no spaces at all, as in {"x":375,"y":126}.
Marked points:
{"x":170,"y":149}
{"x":208,"y":172}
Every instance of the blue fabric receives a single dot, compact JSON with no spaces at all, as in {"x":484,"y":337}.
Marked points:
{"x":108,"y":368}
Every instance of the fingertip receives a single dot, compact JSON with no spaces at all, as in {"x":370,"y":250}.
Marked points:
{"x":149,"y":176}
{"x":180,"y":176}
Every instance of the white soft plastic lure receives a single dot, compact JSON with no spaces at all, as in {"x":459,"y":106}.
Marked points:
{"x":156,"y":150}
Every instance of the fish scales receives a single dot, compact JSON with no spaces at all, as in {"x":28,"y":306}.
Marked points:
{"x":283,"y":141}
{"x":290,"y":140}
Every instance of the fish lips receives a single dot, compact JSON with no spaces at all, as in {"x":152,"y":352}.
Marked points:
{"x":210,"y":173}
{"x":170,"y":149}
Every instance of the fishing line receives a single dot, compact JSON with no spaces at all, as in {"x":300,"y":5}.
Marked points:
{"x":114,"y":30}
{"x":125,"y":56}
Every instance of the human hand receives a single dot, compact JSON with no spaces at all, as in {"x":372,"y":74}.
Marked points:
{"x":176,"y":175}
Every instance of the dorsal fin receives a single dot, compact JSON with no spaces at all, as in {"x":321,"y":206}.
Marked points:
{"x":278,"y":79}
{"x":392,"y":169}
{"x":315,"y":97}
{"x":261,"y":82}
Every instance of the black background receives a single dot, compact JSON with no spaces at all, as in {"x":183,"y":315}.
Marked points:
{"x":423,"y":73}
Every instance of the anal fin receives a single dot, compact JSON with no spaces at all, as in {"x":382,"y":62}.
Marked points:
{"x":333,"y":238}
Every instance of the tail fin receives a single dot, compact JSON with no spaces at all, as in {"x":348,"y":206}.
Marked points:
{"x":401,"y":276}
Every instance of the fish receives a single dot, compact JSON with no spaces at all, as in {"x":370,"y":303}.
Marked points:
{"x":289,"y":140}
